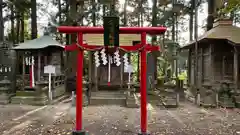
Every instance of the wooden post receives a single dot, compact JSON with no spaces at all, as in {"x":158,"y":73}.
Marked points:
{"x":39,"y":65}
{"x":235,"y":68}
{"x":90,"y":63}
{"x":138,"y":68}
{"x":196,"y":43}
{"x":196,"y":66}
{"x":211,"y":74}
{"x":201,"y":67}
{"x":198,"y":102}
{"x":211,"y":63}
{"x":223,"y":66}
{"x":189,"y":66}
{"x":45,"y":60}
{"x":96,"y":78}
{"x":24,"y":68}
{"x":121,"y":71}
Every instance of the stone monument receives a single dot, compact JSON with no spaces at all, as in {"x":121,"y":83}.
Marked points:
{"x":208,"y":99}
{"x":7,"y":72}
{"x":226,"y":96}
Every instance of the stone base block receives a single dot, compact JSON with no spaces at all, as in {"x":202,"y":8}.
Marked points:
{"x":30,"y":100}
{"x":206,"y":105}
{"x":132,"y":101}
{"x":238,"y":104}
{"x":170,"y":103}
{"x":5,"y":98}
{"x":143,"y":134}
{"x":79,"y":133}
{"x":85,"y":100}
{"x":227,"y":105}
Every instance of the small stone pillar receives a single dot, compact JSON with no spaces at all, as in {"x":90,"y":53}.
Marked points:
{"x":198,"y":98}
{"x":41,"y":92}
{"x":226,"y":95}
{"x":208,"y":98}
{"x":41,"y":86}
{"x":86,"y":94}
{"x":132,"y":100}
{"x":237,"y":99}
{"x":5,"y":90}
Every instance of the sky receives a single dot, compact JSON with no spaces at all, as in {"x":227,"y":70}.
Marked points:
{"x":43,"y":18}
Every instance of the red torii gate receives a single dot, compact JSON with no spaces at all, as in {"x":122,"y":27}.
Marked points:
{"x":143,"y":48}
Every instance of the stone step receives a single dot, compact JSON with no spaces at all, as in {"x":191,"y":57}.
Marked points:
{"x":107,"y":98}
{"x":30,"y":100}
{"x":238,"y":104}
{"x":132,"y":101}
{"x":170,"y":102}
{"x":107,"y":94}
{"x":107,"y":101}
{"x":5,"y":98}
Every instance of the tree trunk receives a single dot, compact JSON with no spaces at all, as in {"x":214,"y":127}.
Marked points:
{"x":191,"y":21}
{"x":154,"y":18}
{"x":154,"y":38}
{"x":67,"y":20}
{"x":1,"y":23}
{"x":94,"y":13}
{"x":210,"y":18}
{"x":140,"y":24}
{"x":196,"y":45}
{"x":72,"y":17}
{"x":12,"y":24}
{"x":125,"y":13}
{"x":72,"y":55}
{"x":90,"y":53}
{"x":232,"y":16}
{"x":34,"y":19}
{"x":112,"y":8}
{"x":18,"y":27}
{"x":104,"y":10}
{"x":60,"y":17}
{"x":22,"y":32}
{"x":141,"y":13}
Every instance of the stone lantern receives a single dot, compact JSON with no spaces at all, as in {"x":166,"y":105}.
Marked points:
{"x":5,"y":90}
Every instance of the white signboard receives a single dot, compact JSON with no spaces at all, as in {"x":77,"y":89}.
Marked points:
{"x":129,"y":69}
{"x":49,"y":69}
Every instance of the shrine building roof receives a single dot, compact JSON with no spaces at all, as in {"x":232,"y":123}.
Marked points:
{"x":221,"y":30}
{"x":39,"y":43}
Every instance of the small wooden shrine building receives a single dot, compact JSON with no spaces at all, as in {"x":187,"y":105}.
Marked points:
{"x":45,"y":51}
{"x":217,"y":55}
{"x":32,"y":57}
{"x":98,"y":76}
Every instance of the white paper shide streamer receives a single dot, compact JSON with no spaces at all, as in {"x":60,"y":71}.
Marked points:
{"x":30,"y":62}
{"x":104,"y":57}
{"x":96,"y":57}
{"x":117,"y":58}
{"x":125,"y":60}
{"x":109,"y":67}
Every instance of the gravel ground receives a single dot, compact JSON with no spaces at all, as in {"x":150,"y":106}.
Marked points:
{"x":9,"y":112}
{"x":185,"y":120}
{"x":34,"y":121}
{"x":114,"y":120}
